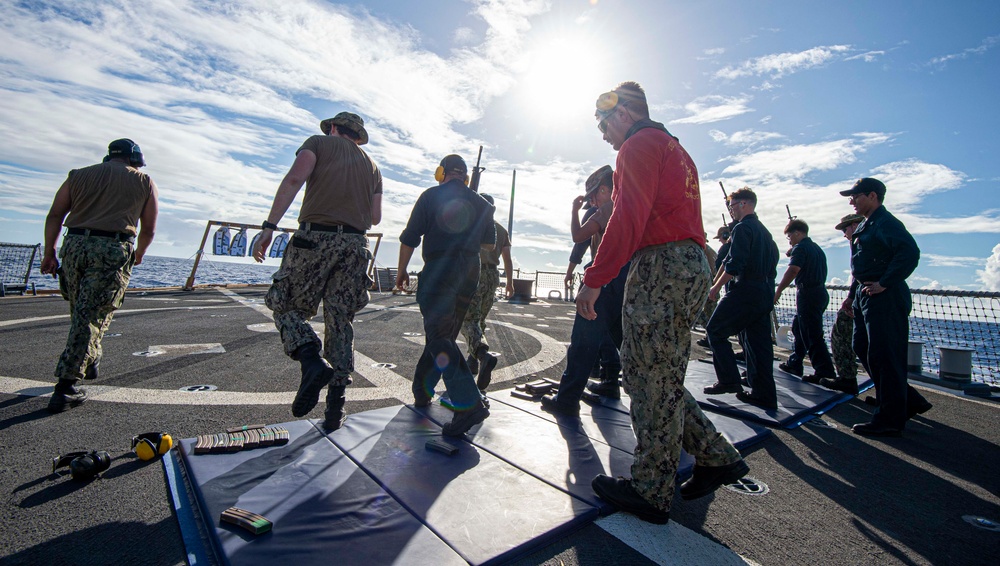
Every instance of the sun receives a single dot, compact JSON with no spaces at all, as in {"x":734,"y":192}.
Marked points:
{"x":563,"y":77}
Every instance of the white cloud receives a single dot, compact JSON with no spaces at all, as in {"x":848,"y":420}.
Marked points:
{"x":793,"y":162}
{"x":781,"y":64}
{"x":983,"y":47}
{"x":714,"y":108}
{"x":868,"y":57}
{"x":744,"y":138}
{"x":990,"y":276}
{"x":935,"y":260}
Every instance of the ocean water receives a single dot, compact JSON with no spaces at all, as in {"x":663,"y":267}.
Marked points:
{"x":173,"y":272}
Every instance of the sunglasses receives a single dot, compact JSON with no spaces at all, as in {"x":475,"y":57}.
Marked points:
{"x":606,"y":104}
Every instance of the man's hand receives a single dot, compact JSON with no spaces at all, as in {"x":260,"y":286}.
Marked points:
{"x":713,"y":293}
{"x":49,"y":265}
{"x":847,"y":307}
{"x":509,"y":289}
{"x":871,"y":288}
{"x":569,"y":280}
{"x":578,"y":203}
{"x":262,"y":243}
{"x":402,"y":280}
{"x":585,"y":301}
{"x":777,"y":296}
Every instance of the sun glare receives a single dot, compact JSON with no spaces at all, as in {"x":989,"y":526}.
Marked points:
{"x":563,"y":78}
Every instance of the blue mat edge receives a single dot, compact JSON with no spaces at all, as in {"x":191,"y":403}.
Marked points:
{"x":196,"y":551}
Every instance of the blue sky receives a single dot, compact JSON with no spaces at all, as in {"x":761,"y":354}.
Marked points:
{"x":794,"y":99}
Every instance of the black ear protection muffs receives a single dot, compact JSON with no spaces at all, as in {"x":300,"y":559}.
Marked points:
{"x":83,"y":465}
{"x":128,"y":149}
{"x":150,"y":445}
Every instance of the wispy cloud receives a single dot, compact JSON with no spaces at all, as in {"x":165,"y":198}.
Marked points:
{"x":714,"y":108}
{"x":984,"y":46}
{"x":936,"y":260}
{"x":781,"y":64}
{"x":867,"y":57}
{"x":744,"y":138}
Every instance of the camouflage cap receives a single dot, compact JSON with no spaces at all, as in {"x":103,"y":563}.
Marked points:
{"x":598,"y":178}
{"x":348,"y":120}
{"x":848,"y":220}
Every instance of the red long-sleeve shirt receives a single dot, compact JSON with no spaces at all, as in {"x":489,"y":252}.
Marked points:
{"x":657,"y":200}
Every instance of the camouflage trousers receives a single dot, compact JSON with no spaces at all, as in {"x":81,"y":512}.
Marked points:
{"x":841,"y":338}
{"x":474,"y":326}
{"x":327,"y":267}
{"x":664,"y":293}
{"x":93,"y":277}
{"x":706,"y":313}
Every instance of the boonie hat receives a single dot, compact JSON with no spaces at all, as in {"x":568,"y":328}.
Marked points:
{"x":722,"y":233}
{"x":865,"y":186}
{"x":594,"y":181}
{"x":348,"y":120}
{"x":848,"y":220}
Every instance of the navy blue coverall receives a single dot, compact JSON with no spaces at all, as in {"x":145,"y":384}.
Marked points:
{"x":811,"y":300}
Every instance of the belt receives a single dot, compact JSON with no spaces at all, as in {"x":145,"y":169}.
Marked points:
{"x":120,"y":236}
{"x":338,"y":228}
{"x":748,"y":278}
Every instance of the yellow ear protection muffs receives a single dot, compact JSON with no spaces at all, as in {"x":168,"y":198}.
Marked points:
{"x":451,"y":163}
{"x":128,"y":149}
{"x":149,"y":445}
{"x":83,"y":465}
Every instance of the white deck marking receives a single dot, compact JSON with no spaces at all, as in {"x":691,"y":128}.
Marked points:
{"x":20,"y":321}
{"x":669,"y":544}
{"x":181,"y":350}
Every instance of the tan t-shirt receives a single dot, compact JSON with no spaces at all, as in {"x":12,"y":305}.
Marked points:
{"x":602,"y":216}
{"x":108,"y":196}
{"x":342,"y":185}
{"x":489,"y":255}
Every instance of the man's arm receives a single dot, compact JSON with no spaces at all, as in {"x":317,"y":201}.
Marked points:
{"x":303,"y":166}
{"x":402,"y":277}
{"x":508,"y":268}
{"x":376,"y":209}
{"x":786,"y":280}
{"x":53,"y":224}
{"x":147,"y":222}
{"x":582,"y":232}
{"x":568,"y":280}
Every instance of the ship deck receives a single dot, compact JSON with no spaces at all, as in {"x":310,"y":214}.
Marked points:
{"x":193,"y":363}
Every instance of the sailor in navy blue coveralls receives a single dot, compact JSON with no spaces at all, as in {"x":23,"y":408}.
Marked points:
{"x":885,"y":254}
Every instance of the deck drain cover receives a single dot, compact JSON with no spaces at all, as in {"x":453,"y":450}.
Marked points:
{"x":198,"y":388}
{"x":818,"y":421}
{"x":385,"y":365}
{"x":982,"y":523}
{"x":748,"y":486}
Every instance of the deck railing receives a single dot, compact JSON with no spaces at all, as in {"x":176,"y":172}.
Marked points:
{"x":940,"y":318}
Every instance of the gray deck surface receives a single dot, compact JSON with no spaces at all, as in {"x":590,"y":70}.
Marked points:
{"x":834,"y":498}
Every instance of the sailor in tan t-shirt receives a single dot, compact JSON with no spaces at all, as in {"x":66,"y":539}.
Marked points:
{"x":327,"y":259}
{"x":107,"y":205}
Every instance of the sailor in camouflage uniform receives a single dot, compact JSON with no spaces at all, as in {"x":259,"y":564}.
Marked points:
{"x":657,"y":223}
{"x":841,"y":336}
{"x":327,"y":259}
{"x":480,"y":360}
{"x":106,"y":203}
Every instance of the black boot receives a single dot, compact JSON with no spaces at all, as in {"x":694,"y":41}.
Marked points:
{"x":91,"y":372}
{"x":487,"y":362}
{"x":66,"y":395}
{"x":335,"y":413}
{"x":316,"y":373}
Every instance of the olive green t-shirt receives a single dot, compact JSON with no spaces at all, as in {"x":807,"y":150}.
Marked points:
{"x":343,"y":183}
{"x":108,"y":196}
{"x":490,"y":255}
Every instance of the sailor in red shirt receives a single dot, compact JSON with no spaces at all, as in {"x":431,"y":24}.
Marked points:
{"x":657,"y":224}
